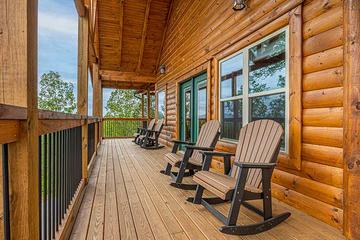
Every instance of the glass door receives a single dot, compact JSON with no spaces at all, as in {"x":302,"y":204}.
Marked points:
{"x":193,"y":101}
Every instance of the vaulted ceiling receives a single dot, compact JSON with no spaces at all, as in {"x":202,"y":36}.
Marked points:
{"x":130,"y":38}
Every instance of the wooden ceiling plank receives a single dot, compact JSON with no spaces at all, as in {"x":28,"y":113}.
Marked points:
{"x":121,"y":27}
{"x":164,"y":36}
{"x":143,"y":36}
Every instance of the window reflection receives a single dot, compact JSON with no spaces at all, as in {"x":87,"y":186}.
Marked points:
{"x":161,"y":104}
{"x":231,"y":119}
{"x":232,"y":77}
{"x":201,"y":107}
{"x":267,"y":65}
{"x":188,"y":115}
{"x":269,"y":107}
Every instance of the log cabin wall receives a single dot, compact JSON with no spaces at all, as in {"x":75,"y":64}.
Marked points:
{"x":200,"y":33}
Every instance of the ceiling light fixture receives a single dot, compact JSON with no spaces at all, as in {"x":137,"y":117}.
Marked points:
{"x":239,"y":5}
{"x":162,"y":69}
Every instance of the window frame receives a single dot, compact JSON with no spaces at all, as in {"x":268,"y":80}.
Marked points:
{"x":245,"y":97}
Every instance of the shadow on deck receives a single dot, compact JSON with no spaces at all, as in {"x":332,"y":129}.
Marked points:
{"x":127,"y":198}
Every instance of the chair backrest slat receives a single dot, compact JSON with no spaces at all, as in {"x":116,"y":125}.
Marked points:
{"x":151,"y":124}
{"x":258,"y":143}
{"x":159,"y":125}
{"x":208,"y":135}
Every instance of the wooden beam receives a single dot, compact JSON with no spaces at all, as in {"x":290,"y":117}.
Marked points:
{"x":148,"y":104}
{"x":19,"y":40}
{"x":122,"y":85}
{"x":83,"y":54}
{"x":9,"y":131}
{"x":164,"y":36}
{"x":352,"y":119}
{"x":142,"y":105}
{"x":121,"y":28}
{"x":143,"y":35}
{"x":82,"y":96}
{"x":97,"y":99}
{"x":80,"y":7}
{"x":130,"y":77}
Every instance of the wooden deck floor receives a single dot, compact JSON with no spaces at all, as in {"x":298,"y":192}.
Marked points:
{"x":127,"y":198}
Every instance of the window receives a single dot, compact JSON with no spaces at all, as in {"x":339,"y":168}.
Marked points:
{"x":161,"y":104}
{"x":254,"y":85}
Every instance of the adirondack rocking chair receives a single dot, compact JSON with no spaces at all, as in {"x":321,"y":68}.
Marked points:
{"x":192,"y":159}
{"x":151,"y":138}
{"x":142,"y":131}
{"x":249,"y":178}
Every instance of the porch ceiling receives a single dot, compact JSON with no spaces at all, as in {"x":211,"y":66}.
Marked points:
{"x":130,"y":40}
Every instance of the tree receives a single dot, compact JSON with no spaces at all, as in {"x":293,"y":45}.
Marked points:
{"x":123,"y":104}
{"x":56,"y":94}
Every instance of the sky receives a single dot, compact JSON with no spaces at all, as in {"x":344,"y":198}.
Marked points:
{"x":58,"y":42}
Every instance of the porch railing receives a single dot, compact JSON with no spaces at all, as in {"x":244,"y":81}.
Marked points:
{"x":122,"y":127}
{"x":92,"y":128}
{"x":60,"y":159}
{"x":61,"y":167}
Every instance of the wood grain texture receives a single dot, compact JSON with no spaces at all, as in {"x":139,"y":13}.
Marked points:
{"x":169,"y":216}
{"x":352,"y":118}
{"x":328,"y":78}
{"x":9,"y":131}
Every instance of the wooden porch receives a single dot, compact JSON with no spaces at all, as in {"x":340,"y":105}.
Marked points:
{"x":127,"y":198}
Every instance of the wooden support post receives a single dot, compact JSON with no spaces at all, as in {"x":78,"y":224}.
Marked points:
{"x":18,"y":41}
{"x":352,"y":119}
{"x":148,"y":105}
{"x":97,"y":100}
{"x":142,"y":106}
{"x":82,"y":96}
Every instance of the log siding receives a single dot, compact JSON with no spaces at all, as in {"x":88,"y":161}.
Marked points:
{"x":200,"y":35}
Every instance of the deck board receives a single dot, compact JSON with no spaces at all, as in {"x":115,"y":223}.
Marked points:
{"x":127,"y":198}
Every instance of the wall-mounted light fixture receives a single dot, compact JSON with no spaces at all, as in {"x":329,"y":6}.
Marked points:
{"x":162,"y":69}
{"x":239,"y":5}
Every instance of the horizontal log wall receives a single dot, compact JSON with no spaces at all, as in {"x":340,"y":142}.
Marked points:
{"x":200,"y":33}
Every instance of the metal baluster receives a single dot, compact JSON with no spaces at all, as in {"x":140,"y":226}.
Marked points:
{"x":5,"y":169}
{"x":44,"y":219}
{"x":62,"y":172}
{"x":58,"y":182}
{"x":53,"y":217}
{"x":40,"y":185}
{"x":48,"y":192}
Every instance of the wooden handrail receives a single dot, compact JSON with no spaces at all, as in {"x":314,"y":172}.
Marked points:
{"x":49,"y":121}
{"x":9,"y":112}
{"x":124,"y":119}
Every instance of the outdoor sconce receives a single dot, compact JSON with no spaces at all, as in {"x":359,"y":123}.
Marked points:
{"x":239,"y":5}
{"x":162,"y":69}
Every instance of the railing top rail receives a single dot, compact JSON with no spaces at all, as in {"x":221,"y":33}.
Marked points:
{"x":124,"y":119}
{"x":9,"y":112}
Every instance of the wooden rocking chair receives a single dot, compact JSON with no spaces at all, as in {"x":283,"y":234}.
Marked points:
{"x":151,"y":138}
{"x":249,"y":178}
{"x":142,"y":131}
{"x":192,"y":159}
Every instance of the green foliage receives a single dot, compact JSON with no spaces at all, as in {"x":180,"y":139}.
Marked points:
{"x":123,"y":104}
{"x":56,"y":94}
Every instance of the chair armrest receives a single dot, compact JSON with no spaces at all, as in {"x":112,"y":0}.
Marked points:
{"x":255,"y":165}
{"x":177,"y":143}
{"x":193,"y":147}
{"x":217,"y":154}
{"x":225,"y":155}
{"x":183,"y":142}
